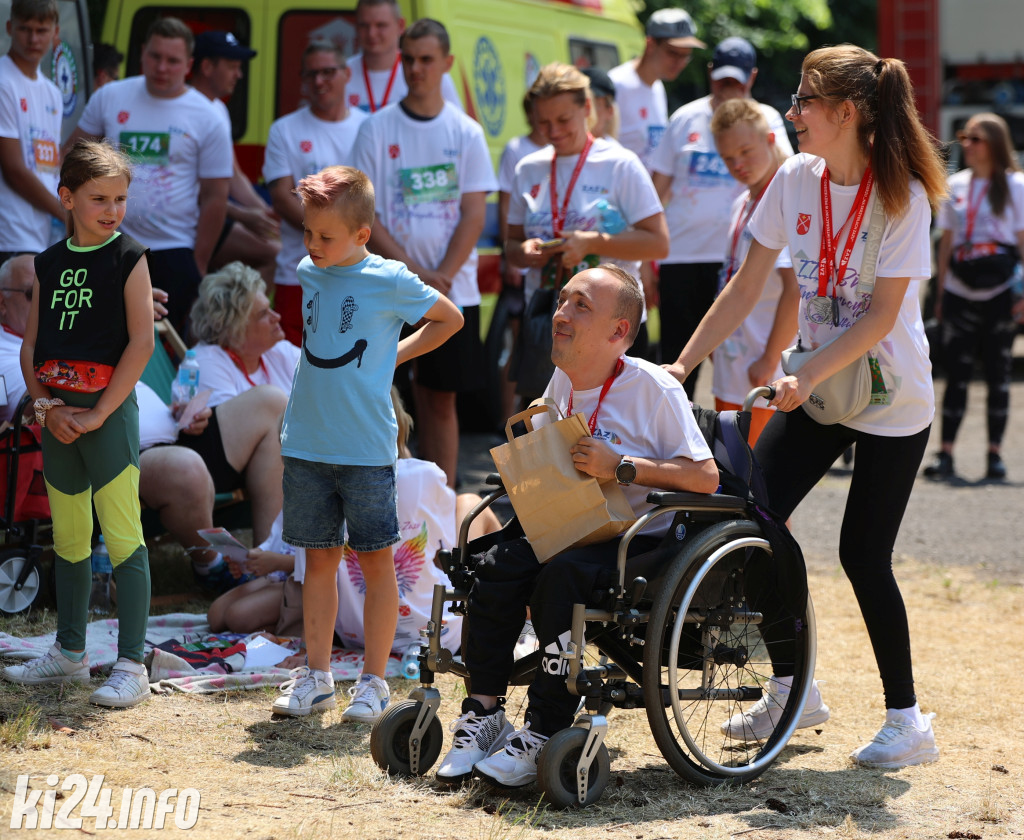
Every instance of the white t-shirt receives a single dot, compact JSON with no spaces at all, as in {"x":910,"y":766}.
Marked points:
{"x":515,"y":150}
{"x":30,"y":112}
{"x":739,"y":351}
{"x":643,"y":111}
{"x":219,"y":373}
{"x":987,"y":226}
{"x":612,"y":185}
{"x":355,"y":90}
{"x":173,"y":143}
{"x":702,"y":188}
{"x":645,"y":414}
{"x":12,"y":382}
{"x":420,"y":170}
{"x":426,"y":521}
{"x":301,"y":144}
{"x":902,"y":399}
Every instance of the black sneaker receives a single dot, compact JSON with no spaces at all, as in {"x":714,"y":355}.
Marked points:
{"x":996,"y":468}
{"x":941,"y":467}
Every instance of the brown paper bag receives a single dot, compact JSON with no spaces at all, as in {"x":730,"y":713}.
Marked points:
{"x":558,"y":506}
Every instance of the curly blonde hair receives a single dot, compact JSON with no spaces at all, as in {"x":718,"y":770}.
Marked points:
{"x":220,"y":314}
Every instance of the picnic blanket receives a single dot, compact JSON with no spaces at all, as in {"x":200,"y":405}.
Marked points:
{"x":175,"y":645}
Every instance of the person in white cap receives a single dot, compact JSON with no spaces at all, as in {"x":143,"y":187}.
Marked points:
{"x":639,"y":88}
{"x":698,"y":192}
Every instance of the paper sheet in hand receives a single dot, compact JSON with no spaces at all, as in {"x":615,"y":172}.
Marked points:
{"x":221,"y":539}
{"x":194,"y":406}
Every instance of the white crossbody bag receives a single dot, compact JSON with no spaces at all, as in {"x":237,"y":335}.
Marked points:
{"x":847,"y":392}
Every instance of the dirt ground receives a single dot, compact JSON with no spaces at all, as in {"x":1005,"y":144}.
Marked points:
{"x":962,"y":573}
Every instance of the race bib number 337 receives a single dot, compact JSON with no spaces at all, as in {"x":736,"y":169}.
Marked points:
{"x":429,"y":184}
{"x":146,"y":147}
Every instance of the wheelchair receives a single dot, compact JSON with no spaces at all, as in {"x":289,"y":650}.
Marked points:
{"x":685,"y":639}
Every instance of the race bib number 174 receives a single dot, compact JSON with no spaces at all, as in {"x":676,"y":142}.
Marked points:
{"x":146,"y":147}
{"x":429,"y":184}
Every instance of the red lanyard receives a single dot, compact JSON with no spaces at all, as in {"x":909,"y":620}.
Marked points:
{"x":740,"y":226}
{"x":387,"y":90}
{"x":241,"y":366}
{"x":972,"y":210}
{"x":827,"y":255}
{"x":7,"y":329}
{"x":619,"y":365}
{"x":558,"y":216}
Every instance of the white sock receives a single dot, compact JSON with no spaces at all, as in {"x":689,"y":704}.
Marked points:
{"x":785,"y":683}
{"x":914,"y":713}
{"x":204,"y":567}
{"x":323,"y":676}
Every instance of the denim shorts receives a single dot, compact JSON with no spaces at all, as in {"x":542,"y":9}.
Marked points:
{"x":321,"y":499}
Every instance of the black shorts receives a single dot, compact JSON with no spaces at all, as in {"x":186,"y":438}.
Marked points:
{"x":458,"y":364}
{"x":175,"y":271}
{"x":210,"y":447}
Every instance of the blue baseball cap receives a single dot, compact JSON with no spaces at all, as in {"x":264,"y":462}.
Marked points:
{"x":215,"y":43}
{"x":734,"y":58}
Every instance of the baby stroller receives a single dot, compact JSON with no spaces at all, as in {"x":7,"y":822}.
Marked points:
{"x":24,"y":514}
{"x":684,"y":635}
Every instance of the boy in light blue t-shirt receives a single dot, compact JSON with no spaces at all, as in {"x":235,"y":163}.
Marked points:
{"x":339,"y":431}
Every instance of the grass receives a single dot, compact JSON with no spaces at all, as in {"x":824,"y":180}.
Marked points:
{"x":313,"y":777}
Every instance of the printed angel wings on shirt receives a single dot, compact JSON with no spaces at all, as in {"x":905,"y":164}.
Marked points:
{"x":410,"y":556}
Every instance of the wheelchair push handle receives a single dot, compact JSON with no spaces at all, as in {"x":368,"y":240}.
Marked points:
{"x":766,"y":391}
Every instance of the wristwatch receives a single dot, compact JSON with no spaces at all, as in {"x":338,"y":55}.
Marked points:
{"x":625,"y":472}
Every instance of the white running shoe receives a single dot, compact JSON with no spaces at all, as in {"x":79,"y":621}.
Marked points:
{"x":760,"y":720}
{"x":516,"y":765}
{"x":127,"y":685}
{"x":306,"y":692}
{"x":477,"y":735}
{"x":369,"y":700}
{"x":899,"y":744}
{"x":52,"y":667}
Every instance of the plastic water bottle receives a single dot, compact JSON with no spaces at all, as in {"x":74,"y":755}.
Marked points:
{"x":611,"y":218}
{"x":99,"y":597}
{"x":411,"y":663}
{"x":186,"y":384}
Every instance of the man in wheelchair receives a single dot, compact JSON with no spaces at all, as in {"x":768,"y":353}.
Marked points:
{"x":643,"y":433}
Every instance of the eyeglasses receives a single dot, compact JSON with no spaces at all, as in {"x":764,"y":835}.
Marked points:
{"x":26,"y":292}
{"x":327,"y":72}
{"x":966,"y":138}
{"x":798,"y":100}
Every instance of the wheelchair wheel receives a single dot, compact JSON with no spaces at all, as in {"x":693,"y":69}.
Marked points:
{"x":14,"y":600}
{"x":705,"y":644}
{"x":556,"y":769}
{"x":389,"y":740}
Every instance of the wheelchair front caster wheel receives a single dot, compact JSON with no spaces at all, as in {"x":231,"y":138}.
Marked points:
{"x":12,"y":599}
{"x":556,"y":769}
{"x":389,"y":740}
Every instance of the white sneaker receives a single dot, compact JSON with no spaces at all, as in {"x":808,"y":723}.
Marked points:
{"x":477,"y":735}
{"x":52,"y":667}
{"x":760,"y":720}
{"x":306,"y":692}
{"x":127,"y":685}
{"x":369,"y":700}
{"x":516,"y":765}
{"x":899,"y":744}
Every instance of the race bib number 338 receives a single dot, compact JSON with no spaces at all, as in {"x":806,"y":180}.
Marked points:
{"x":429,"y":184}
{"x":146,"y":147}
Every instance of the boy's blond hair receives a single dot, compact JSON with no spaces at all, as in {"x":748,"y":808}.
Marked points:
{"x":404,"y":423}
{"x":344,"y":189}
{"x":732,"y":112}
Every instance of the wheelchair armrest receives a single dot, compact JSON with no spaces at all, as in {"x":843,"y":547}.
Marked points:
{"x":493,"y":480}
{"x":697,"y":501}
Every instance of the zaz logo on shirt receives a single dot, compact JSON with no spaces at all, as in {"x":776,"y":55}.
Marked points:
{"x":803,"y":223}
{"x":122,"y":117}
{"x":393,"y":151}
{"x":306,"y":146}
